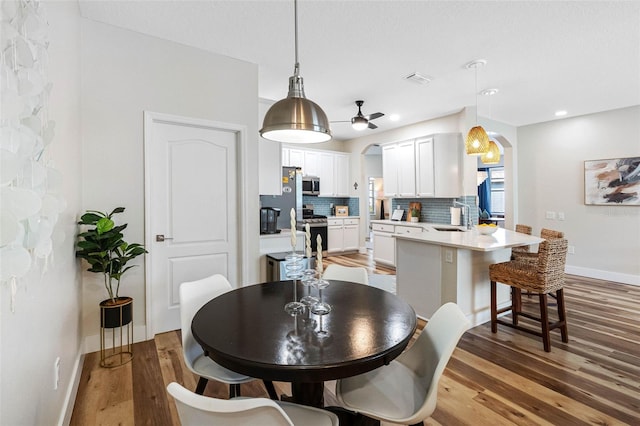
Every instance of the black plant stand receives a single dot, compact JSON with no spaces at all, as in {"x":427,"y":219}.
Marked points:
{"x":117,"y":320}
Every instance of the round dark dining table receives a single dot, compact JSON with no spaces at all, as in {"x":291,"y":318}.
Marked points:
{"x":247,"y":330}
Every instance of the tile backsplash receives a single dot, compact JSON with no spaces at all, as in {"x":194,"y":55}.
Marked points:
{"x":436,"y":210}
{"x":322,"y":205}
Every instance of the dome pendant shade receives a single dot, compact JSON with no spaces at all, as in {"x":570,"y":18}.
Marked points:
{"x":492,"y":156}
{"x":477,"y":142}
{"x":296,"y":119}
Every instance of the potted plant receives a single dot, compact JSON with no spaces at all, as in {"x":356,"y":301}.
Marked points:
{"x":103,"y":247}
{"x":415,"y":215}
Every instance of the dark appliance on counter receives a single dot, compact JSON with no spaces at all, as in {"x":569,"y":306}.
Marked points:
{"x":269,"y":220}
{"x":318,"y":225}
{"x":276,"y":267}
{"x":311,"y":185}
{"x":291,"y":198}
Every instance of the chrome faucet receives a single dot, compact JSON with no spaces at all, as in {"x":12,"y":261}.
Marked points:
{"x":467,"y":216}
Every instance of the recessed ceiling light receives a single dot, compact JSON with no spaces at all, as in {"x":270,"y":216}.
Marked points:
{"x":489,"y":92}
{"x":561,"y":113}
{"x":394,"y":117}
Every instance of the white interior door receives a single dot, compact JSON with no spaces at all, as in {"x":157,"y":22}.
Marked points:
{"x":191,"y":186}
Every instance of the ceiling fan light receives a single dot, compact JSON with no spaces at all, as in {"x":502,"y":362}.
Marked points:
{"x":359,"y":123}
{"x":477,"y":141}
{"x":492,"y":156}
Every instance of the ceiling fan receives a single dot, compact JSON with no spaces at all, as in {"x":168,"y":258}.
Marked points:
{"x":360,"y":121}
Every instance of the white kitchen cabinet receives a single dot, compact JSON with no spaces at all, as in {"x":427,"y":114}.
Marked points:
{"x":425,"y":184}
{"x":438,"y":166}
{"x":343,"y":234}
{"x":390,"y":170}
{"x":311,"y":163}
{"x":351,"y":234}
{"x":327,"y":174}
{"x":384,"y":248}
{"x":399,"y":170}
{"x":294,"y":157}
{"x":334,"y":174}
{"x":406,"y":165}
{"x":341,"y":173}
{"x":425,"y":167}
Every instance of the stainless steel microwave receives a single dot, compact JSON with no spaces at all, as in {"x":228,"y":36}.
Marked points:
{"x":311,"y":185}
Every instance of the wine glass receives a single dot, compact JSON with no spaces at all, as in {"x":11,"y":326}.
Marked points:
{"x":321,"y":308}
{"x":294,"y":266}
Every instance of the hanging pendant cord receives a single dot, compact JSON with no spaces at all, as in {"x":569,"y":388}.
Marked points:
{"x":476,"y":69}
{"x":295,"y":37}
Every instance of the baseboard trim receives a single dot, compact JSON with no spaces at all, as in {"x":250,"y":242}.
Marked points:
{"x":72,"y":391}
{"x":603,"y":275}
{"x":92,"y":343}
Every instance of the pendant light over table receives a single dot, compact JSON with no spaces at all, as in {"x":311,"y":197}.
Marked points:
{"x":477,"y":142}
{"x":296,"y":119}
{"x":492,"y":156}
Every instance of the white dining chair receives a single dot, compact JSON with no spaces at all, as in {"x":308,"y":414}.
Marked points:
{"x":197,"y":410}
{"x":193,"y":295}
{"x":355,"y":274}
{"x":406,"y":390}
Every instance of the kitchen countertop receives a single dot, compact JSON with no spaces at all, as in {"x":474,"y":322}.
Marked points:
{"x":282,"y":234}
{"x":425,"y":225}
{"x":343,"y":217}
{"x":471,"y":240}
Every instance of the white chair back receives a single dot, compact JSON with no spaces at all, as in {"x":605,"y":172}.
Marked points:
{"x":356,"y":274}
{"x":431,"y":352}
{"x":193,"y":295}
{"x":197,"y":410}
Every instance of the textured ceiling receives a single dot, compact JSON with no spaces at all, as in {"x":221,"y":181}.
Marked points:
{"x":543,"y":56}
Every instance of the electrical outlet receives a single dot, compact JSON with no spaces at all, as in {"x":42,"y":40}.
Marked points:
{"x":56,"y":373}
{"x":560,"y":215}
{"x":571,"y":250}
{"x":550,"y":215}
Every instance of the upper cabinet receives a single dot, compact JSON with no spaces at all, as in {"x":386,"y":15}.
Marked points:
{"x":330,"y":166}
{"x":424,"y":167}
{"x":398,"y":169}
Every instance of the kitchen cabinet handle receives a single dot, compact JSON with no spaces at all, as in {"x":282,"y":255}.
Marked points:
{"x":160,"y":238}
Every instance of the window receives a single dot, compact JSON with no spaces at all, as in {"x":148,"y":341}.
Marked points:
{"x":372,"y":196}
{"x":496,"y":176}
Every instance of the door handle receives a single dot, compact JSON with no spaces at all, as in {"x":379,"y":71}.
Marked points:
{"x":160,"y":238}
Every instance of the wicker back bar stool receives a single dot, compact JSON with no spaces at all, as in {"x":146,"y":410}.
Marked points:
{"x":528,"y":256}
{"x":515,"y":251}
{"x":542,"y":277}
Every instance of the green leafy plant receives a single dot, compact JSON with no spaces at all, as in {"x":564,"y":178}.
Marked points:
{"x":415,"y":212}
{"x":103,"y":247}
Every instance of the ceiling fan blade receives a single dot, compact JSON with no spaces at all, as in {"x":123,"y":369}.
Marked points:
{"x":342,"y":121}
{"x":374,"y":116}
{"x":372,"y":126}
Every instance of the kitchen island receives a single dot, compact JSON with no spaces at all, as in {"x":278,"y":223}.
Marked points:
{"x":438,"y":266}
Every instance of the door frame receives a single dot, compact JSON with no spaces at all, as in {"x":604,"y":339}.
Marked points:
{"x":150,"y":118}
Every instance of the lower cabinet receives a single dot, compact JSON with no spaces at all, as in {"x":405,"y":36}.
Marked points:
{"x":343,"y":234}
{"x":384,"y":248}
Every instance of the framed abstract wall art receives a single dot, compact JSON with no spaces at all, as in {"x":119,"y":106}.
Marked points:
{"x":613,"y":182}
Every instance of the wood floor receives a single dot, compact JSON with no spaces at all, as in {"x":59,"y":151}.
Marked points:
{"x":492,"y":379}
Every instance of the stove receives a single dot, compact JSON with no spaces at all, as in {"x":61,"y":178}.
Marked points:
{"x":318,"y":225}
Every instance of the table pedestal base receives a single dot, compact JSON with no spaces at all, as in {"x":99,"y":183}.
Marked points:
{"x":311,"y":394}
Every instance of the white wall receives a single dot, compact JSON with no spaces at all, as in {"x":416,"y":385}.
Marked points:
{"x":46,"y":322}
{"x":123,"y":74}
{"x":551,"y":178}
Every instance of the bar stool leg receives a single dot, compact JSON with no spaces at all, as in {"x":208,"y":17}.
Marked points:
{"x":494,"y":308}
{"x":516,"y":304}
{"x":562,"y":316}
{"x":544,"y":319}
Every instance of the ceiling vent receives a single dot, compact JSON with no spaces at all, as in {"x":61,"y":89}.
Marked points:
{"x":418,"y":78}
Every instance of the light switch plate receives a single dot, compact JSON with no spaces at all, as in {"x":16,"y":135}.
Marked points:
{"x":551,"y":215}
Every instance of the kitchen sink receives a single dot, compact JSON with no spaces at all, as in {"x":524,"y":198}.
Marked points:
{"x":448,"y":229}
